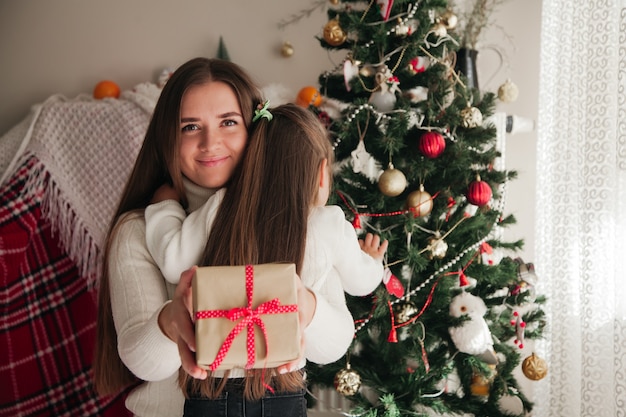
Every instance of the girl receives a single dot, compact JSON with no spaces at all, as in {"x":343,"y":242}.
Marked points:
{"x":272,"y":211}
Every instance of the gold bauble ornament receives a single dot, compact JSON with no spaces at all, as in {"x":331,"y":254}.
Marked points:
{"x":403,"y":312}
{"x":471,"y":117}
{"x":334,"y":34}
{"x":420,"y":202}
{"x":286,"y":50}
{"x":334,"y":2}
{"x":392,"y":182}
{"x":534,"y":367}
{"x":439,"y":29}
{"x":402,"y":29}
{"x":481,"y":384}
{"x":347,"y":381}
{"x":449,"y":19}
{"x":437,"y":247}
{"x":508,"y":91}
{"x":367,"y":71}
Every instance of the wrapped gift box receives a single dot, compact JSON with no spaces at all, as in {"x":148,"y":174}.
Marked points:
{"x":246,"y":316}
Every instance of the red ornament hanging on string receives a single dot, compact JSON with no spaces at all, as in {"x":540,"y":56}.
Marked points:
{"x":479,"y":192}
{"x":432,"y":144}
{"x":519,"y":325}
{"x":417,"y":65}
{"x":392,"y":283}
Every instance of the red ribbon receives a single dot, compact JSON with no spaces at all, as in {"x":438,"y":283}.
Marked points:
{"x":393,"y":337}
{"x":249,"y":318}
{"x":357,"y":221}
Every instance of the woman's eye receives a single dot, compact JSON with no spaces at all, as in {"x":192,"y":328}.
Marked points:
{"x":188,"y":128}
{"x":229,"y":122}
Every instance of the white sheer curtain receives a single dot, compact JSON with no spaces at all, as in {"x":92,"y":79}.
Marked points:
{"x":581,"y":208}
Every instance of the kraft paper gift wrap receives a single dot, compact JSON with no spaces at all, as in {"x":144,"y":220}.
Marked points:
{"x":224,"y":315}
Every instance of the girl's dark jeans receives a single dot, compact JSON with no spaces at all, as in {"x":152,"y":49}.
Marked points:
{"x":232,"y":404}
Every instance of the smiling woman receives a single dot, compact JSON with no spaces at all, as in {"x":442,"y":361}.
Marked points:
{"x":136,"y":338}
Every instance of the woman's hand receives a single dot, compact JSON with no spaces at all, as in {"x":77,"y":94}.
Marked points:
{"x":177,"y":323}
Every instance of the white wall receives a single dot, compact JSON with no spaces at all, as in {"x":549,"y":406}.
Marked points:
{"x":67,"y":46}
{"x":518,"y":33}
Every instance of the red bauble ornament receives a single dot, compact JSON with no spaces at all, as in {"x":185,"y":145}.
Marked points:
{"x":479,"y":192}
{"x":432,"y":144}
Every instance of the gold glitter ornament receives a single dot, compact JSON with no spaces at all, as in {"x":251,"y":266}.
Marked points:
{"x":508,"y":92}
{"x":471,"y":117}
{"x":481,"y":384}
{"x":367,"y":71}
{"x":347,"y":381}
{"x":402,"y":29}
{"x":333,"y":33}
{"x":534,"y":367}
{"x":449,"y":19}
{"x":437,"y":247}
{"x":403,"y":312}
{"x":392,"y":182}
{"x":439,"y":29}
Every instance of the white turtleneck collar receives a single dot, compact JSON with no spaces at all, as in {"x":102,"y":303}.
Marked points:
{"x":196,"y":195}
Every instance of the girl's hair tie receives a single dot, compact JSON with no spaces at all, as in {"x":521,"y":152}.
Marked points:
{"x":262,"y":111}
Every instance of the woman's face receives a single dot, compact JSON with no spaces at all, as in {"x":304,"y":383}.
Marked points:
{"x":213,"y":134}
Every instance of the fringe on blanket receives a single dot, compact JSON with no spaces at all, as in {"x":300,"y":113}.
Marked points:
{"x":73,"y":233}
{"x":40,"y":136}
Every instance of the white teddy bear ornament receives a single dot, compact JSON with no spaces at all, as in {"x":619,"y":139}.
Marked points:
{"x":472,"y":336}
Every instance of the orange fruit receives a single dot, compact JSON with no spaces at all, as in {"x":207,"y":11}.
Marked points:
{"x":309,"y":96}
{"x":106,"y":88}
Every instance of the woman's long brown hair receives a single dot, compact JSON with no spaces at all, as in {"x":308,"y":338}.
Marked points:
{"x":158,"y":162}
{"x":263,"y":217}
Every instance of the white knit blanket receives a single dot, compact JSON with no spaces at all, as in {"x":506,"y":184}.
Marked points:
{"x":85,"y":150}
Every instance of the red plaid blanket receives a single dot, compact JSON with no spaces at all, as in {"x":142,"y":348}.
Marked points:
{"x":47,"y":316}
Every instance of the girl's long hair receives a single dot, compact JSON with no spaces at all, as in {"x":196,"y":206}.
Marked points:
{"x":263,"y":217}
{"x":158,"y":162}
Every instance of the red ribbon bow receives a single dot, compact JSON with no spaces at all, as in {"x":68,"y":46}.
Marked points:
{"x":249,"y":317}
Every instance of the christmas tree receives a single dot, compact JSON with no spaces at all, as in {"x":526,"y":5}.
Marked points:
{"x":416,"y":162}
